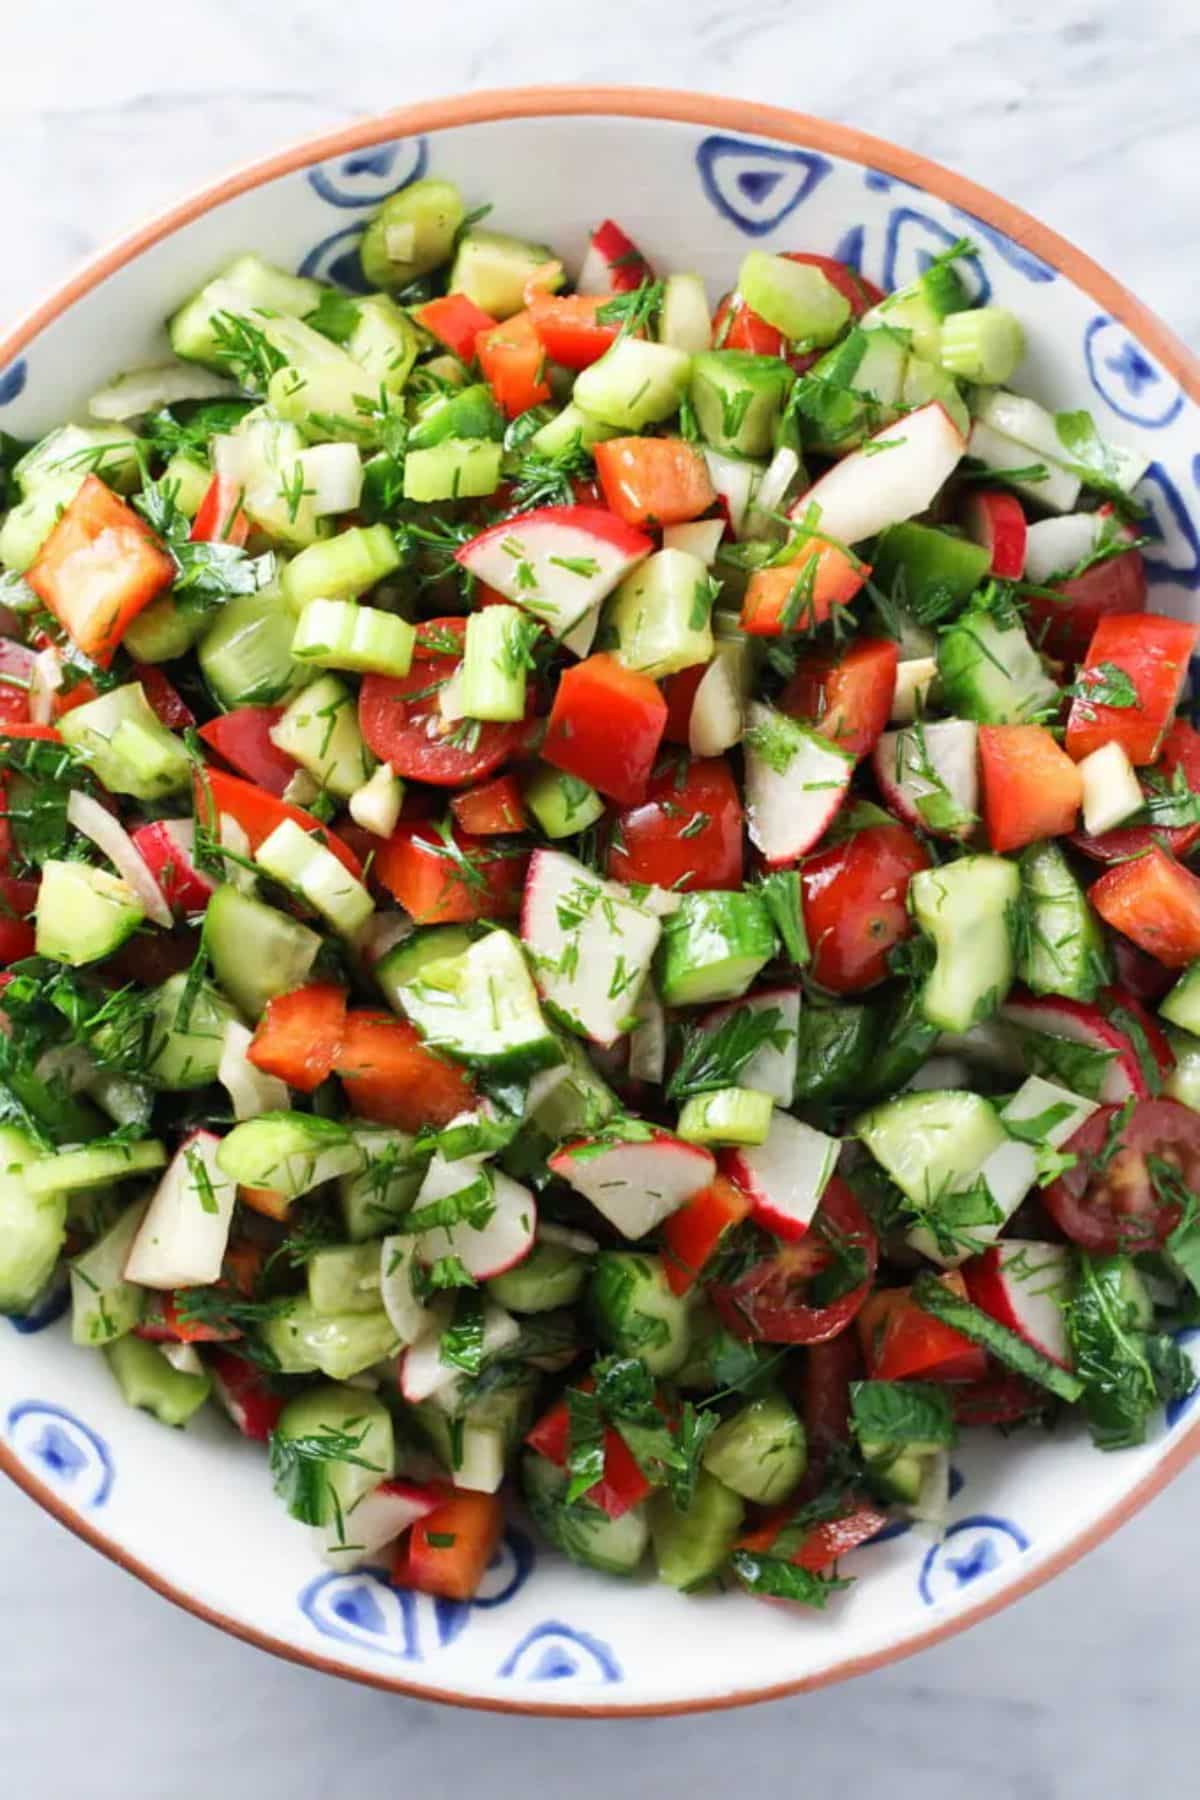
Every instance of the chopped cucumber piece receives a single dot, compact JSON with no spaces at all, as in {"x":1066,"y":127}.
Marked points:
{"x":255,"y":950}
{"x":187,"y":1047}
{"x":377,"y":1194}
{"x":571,"y":1097}
{"x":411,"y":233}
{"x":798,"y":299}
{"x":289,"y":1152}
{"x":571,"y":426}
{"x":496,"y":661}
{"x":921,"y":307}
{"x":691,"y":1547}
{"x":27,"y":526}
{"x":83,"y":913}
{"x":319,"y":730}
{"x":925,"y":381}
{"x":104,"y":1306}
{"x":713,"y":946}
{"x":344,"y":1278}
{"x":94,"y":1165}
{"x":456,"y":469}
{"x":300,"y":862}
{"x":341,"y":568}
{"x":635,"y":1312}
{"x":738,"y":399}
{"x":732,"y":1115}
{"x":760,"y":1452}
{"x":492,"y":269}
{"x":852,"y":391}
{"x":319,"y":1488}
{"x":661,"y":614}
{"x":990,"y":672}
{"x":340,"y":634}
{"x":966,"y":907}
{"x":584,"y":1533}
{"x":431,"y":943}
{"x":469,"y":413}
{"x":258,"y":284}
{"x":1183,"y":1083}
{"x":147,"y":1380}
{"x":482,"y":1008}
{"x":1061,"y":947}
{"x":384,"y":342}
{"x":109,"y":451}
{"x":551,"y":1275}
{"x":562,"y":804}
{"x":147,"y":761}
{"x":305,"y":1341}
{"x":930,"y":572}
{"x":634,"y":384}
{"x":33,"y":1226}
{"x":1112,"y":792}
{"x":246,"y":656}
{"x":932,"y":1144}
{"x":984,"y":344}
{"x":1182,"y":1005}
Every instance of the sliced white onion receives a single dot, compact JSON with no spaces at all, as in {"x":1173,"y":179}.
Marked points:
{"x":449,"y":700}
{"x":302,"y":788}
{"x":233,"y":837}
{"x":648,"y":1039}
{"x":333,"y":477}
{"x":143,"y":391}
{"x":45,"y":679}
{"x":381,"y":933}
{"x":70,"y":1064}
{"x":251,"y":1090}
{"x":550,"y":1233}
{"x":183,"y":1357}
{"x":89,"y":817}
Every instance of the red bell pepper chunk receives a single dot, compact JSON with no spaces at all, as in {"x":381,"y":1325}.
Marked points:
{"x":455,"y":322}
{"x":1155,"y":901}
{"x":847,"y":696}
{"x":1064,"y":626}
{"x":605,"y":726}
{"x":622,"y":1485}
{"x":1153,"y":652}
{"x":16,"y":728}
{"x":242,"y":738}
{"x":568,"y":329}
{"x":822,"y":1544}
{"x":654,"y":481}
{"x":902,"y":1343}
{"x":17,"y":902}
{"x":259,"y":814}
{"x":514,"y":364}
{"x":679,"y":691}
{"x":298,"y":1036}
{"x":492,"y":809}
{"x":1031,"y":788}
{"x":100,"y":565}
{"x":220,"y":519}
{"x":687,"y":833}
{"x":691,"y":1234}
{"x":448,"y":1551}
{"x":392,"y":1079}
{"x":267,"y":1201}
{"x":793,"y":596}
{"x":163,"y":1323}
{"x":245,"y":1394}
{"x":442,"y":884}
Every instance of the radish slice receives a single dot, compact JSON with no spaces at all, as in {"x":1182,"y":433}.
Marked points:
{"x":1025,"y":1285}
{"x":772,"y":1069}
{"x":1054,"y":546}
{"x":718,"y":716}
{"x":168,"y":848}
{"x":1052,"y":487}
{"x":251,"y":1091}
{"x":506,"y":1237}
{"x":613,"y":263}
{"x":143,"y":391}
{"x":1081,"y":1024}
{"x":379,"y":1518}
{"x":873,"y":488}
{"x":558,"y":562}
{"x":636,"y":1185}
{"x":997,"y":522}
{"x":181,"y":1241}
{"x":581,"y":637}
{"x":734,"y":479}
{"x":95,"y":822}
{"x":785,"y":1176}
{"x":590,"y":943}
{"x":333,"y":477}
{"x":1029,"y":424}
{"x":243,"y":1392}
{"x":795,"y":782}
{"x":424,"y":1375}
{"x":930,"y":777}
{"x":567,"y":1239}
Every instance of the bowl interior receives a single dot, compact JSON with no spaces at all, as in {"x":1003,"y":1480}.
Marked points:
{"x":193,"y":1511}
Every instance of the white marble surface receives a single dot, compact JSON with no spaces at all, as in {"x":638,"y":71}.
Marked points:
{"x":1086,"y":114}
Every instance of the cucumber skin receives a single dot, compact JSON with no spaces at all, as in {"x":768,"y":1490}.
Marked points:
{"x":33,"y":1228}
{"x":931,"y":1140}
{"x":691,"y":1547}
{"x":713,"y":946}
{"x":256,"y":951}
{"x":334,"y":1407}
{"x":1064,"y":951}
{"x":582,"y":1532}
{"x":188,"y":1059}
{"x":147,"y":1381}
{"x":760,"y":1452}
{"x":430,"y":943}
{"x":550,"y":1276}
{"x":636,"y":1314}
{"x":975,"y":962}
{"x":1182,"y":1005}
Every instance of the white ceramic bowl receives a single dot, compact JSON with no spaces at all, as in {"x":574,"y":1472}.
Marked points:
{"x":696,"y":181}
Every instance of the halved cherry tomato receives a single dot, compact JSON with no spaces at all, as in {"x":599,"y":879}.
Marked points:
{"x":1031,"y":788}
{"x":1109,"y":1203}
{"x":1139,"y":973}
{"x":456,"y":322}
{"x":168,"y":704}
{"x":298,"y":1036}
{"x":490,"y":810}
{"x":902,"y":1343}
{"x":258,"y":814}
{"x":622,"y":1485}
{"x":401,"y":723}
{"x":440,"y":883}
{"x":1180,"y":752}
{"x":855,"y":904}
{"x":448,"y":1551}
{"x":1153,"y":652}
{"x":568,"y":329}
{"x":100,"y":565}
{"x":514,"y":364}
{"x":149,"y":958}
{"x":691,"y":1234}
{"x":654,"y":481}
{"x":847,"y":695}
{"x":687,"y":832}
{"x":1155,"y":901}
{"x":1064,"y":628}
{"x":220,"y":519}
{"x":242,"y":738}
{"x":605,"y":726}
{"x":736,"y":327}
{"x":795,"y":596}
{"x":17,"y":902}
{"x":390,"y":1077}
{"x":779,"y":1299}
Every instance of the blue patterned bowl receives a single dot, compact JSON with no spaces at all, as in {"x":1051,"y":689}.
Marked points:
{"x":696,"y":181}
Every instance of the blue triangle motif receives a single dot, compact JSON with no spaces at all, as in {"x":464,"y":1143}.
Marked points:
{"x":756,"y":186}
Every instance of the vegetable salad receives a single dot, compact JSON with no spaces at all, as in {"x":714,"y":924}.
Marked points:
{"x":596,"y":902}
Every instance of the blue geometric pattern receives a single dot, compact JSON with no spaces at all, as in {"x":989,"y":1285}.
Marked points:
{"x":556,"y":1652}
{"x":68,"y":1454}
{"x":1174,"y":554}
{"x":12,"y":382}
{"x":336,"y":259}
{"x":1127,"y":379}
{"x":971,"y":1548}
{"x":1014,"y":254}
{"x":50,"y":1305}
{"x":1179,"y":1409}
{"x":914,"y":240}
{"x":366,"y":177}
{"x":756,"y":186}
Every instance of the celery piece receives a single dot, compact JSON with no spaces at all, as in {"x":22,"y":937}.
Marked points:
{"x":733,"y":1115}
{"x":984,"y":345}
{"x":496,"y":659}
{"x":342,"y":567}
{"x":341,"y":634}
{"x":319,"y":730}
{"x":291,"y":856}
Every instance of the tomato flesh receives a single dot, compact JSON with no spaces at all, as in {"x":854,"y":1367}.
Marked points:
{"x":771,"y":1301}
{"x":401,"y":723}
{"x":242,"y":738}
{"x":902,"y":1343}
{"x":686,"y":834}
{"x":855,"y":904}
{"x":1115,"y":1207}
{"x":1064,"y":628}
